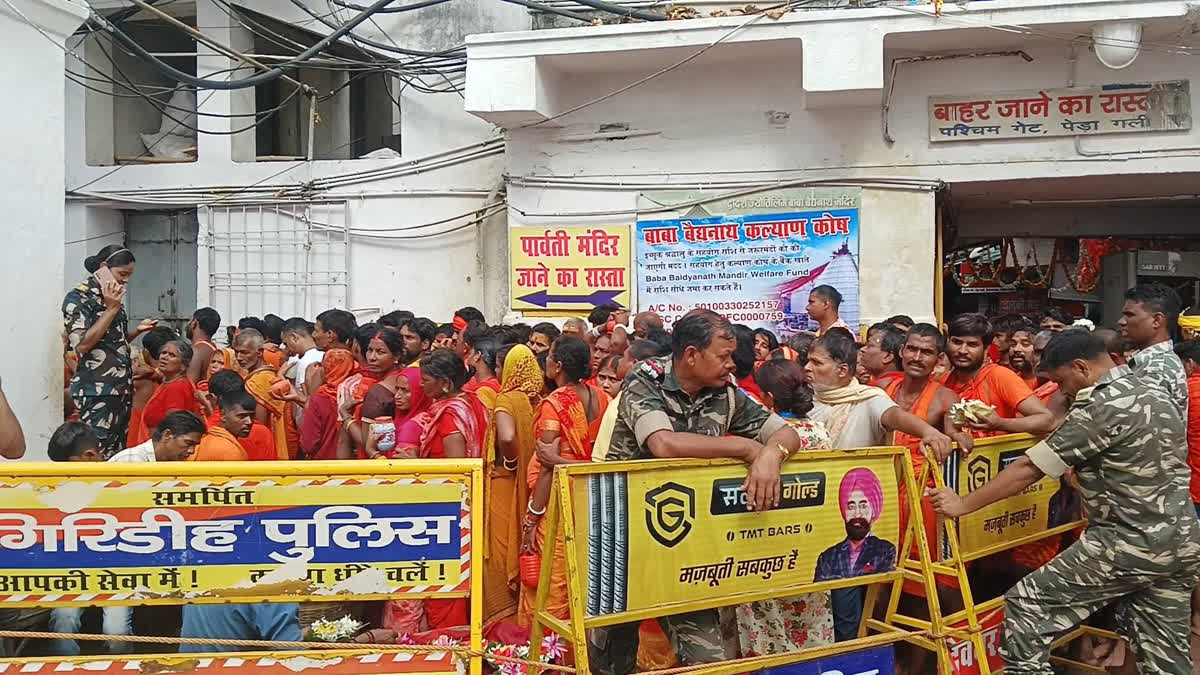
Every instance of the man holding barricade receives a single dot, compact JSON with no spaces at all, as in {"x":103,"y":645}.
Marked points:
{"x":857,"y":416}
{"x":686,"y":405}
{"x":1141,"y":549}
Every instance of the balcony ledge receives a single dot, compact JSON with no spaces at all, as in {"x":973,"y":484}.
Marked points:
{"x":514,"y":78}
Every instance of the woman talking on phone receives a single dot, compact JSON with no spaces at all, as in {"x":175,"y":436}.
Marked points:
{"x":98,"y":333}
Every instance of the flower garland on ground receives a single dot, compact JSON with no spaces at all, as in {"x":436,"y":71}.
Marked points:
{"x":554,"y":648}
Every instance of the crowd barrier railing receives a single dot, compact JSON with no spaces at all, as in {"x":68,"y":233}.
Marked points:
{"x":180,"y":533}
{"x":652,"y":539}
{"x":967,"y":641}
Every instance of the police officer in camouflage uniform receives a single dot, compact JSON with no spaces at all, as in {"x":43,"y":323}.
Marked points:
{"x":1141,"y":549}
{"x":686,"y":405}
{"x":1149,"y":314}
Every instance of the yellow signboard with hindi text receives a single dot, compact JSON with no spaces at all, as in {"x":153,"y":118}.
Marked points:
{"x":1047,"y":504}
{"x":694,"y":524}
{"x":573,"y":269}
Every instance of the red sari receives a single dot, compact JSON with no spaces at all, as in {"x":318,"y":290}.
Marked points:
{"x":176,"y":395}
{"x":463,"y":414}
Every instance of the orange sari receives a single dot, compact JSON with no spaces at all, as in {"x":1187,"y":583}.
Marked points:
{"x":563,"y":412}
{"x":505,"y":495}
{"x":258,"y":385}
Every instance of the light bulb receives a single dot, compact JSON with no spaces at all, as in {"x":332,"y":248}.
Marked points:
{"x":1117,"y":43}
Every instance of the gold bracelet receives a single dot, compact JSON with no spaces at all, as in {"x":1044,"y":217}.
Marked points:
{"x":785,"y":452}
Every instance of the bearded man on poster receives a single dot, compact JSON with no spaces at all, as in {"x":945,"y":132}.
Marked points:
{"x":860,"y":498}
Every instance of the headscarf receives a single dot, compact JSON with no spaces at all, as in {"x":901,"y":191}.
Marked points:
{"x":460,"y":324}
{"x":522,"y":373}
{"x":842,"y":401}
{"x":1189,"y":324}
{"x":867,"y":482}
{"x":338,"y":364}
{"x":418,"y":402}
{"x":463,"y":417}
{"x":522,"y":384}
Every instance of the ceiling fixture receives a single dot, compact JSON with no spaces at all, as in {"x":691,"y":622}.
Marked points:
{"x":1117,"y":43}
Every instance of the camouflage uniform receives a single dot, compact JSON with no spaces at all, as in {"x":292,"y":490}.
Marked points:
{"x":651,"y":401}
{"x":102,"y":387}
{"x":1158,"y":366}
{"x":1141,"y":549}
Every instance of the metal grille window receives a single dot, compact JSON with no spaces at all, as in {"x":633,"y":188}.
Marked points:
{"x":286,"y":259}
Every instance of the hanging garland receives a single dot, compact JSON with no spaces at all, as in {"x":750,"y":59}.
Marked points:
{"x":1083,"y":279}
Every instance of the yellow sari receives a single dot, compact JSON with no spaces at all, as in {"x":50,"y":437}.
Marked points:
{"x":505,"y":494}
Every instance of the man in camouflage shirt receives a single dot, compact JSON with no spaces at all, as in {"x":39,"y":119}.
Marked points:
{"x":687,"y":405}
{"x":1141,"y":549}
{"x":1150,"y":312}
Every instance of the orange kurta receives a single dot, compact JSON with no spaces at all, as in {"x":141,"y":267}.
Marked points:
{"x":273,"y":356}
{"x":258,"y":385}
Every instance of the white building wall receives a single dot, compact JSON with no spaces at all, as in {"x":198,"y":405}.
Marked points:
{"x":708,"y":123}
{"x":32,"y":172}
{"x":432,"y":275}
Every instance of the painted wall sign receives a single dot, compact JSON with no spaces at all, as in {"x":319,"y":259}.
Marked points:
{"x":1079,"y":111}
{"x":569,"y":268}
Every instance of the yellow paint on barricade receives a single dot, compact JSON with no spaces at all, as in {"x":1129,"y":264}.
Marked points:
{"x":1043,"y":511}
{"x":217,"y":532}
{"x":656,"y":538}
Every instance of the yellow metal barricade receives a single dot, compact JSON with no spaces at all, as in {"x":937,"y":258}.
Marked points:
{"x":1041,"y":512}
{"x":650,"y":539}
{"x":82,"y":535}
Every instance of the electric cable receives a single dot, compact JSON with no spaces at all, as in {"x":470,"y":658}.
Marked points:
{"x":621,"y":10}
{"x":417,"y":64}
{"x":391,"y":10}
{"x":380,"y":45}
{"x":252,"y":81}
{"x":532,"y":4}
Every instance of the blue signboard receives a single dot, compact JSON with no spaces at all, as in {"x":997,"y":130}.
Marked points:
{"x":878,"y":661}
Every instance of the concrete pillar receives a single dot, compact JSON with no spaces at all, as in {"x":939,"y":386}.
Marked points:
{"x":33,"y":166}
{"x":209,"y":64}
{"x":896,"y":272}
{"x":98,"y":101}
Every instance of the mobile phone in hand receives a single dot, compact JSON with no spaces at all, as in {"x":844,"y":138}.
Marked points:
{"x":103,"y":276}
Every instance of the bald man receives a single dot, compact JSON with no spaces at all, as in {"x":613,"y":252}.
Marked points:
{"x":645,"y":323}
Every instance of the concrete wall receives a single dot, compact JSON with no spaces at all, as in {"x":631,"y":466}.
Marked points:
{"x":434,"y":274}
{"x":32,"y":171}
{"x":714,"y":122}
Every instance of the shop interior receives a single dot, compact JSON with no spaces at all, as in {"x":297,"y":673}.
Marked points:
{"x":1022,"y":246}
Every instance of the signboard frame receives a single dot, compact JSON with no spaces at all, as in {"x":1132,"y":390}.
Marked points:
{"x":752,"y":257}
{"x":560,"y":520}
{"x":1147,"y":107}
{"x":570,"y":269}
{"x":466,"y":473}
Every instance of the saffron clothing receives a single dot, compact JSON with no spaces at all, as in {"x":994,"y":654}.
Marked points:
{"x":258,"y":385}
{"x":563,"y":411}
{"x":218,"y":445}
{"x":175,"y":395}
{"x":506,"y":493}
{"x":996,"y":386}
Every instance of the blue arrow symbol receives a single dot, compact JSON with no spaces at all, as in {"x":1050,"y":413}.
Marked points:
{"x":596,"y":298}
